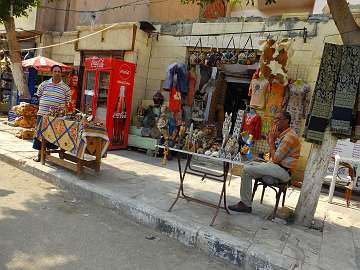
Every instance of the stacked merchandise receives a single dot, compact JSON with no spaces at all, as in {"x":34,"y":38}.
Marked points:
{"x":226,"y":110}
{"x":5,"y":89}
{"x":26,"y":119}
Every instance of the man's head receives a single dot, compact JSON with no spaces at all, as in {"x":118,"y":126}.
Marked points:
{"x":282,"y":120}
{"x":56,"y":73}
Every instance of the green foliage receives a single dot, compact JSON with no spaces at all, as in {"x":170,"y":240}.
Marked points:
{"x":20,"y":8}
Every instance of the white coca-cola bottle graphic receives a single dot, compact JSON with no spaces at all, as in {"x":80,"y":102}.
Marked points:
{"x":119,"y":118}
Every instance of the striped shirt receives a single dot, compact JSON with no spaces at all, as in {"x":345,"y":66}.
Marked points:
{"x":287,"y":150}
{"x":52,"y":95}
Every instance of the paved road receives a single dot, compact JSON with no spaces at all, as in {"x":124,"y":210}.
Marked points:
{"x":42,"y":227}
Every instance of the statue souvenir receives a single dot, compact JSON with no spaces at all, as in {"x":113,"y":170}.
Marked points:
{"x":238,"y":157}
{"x":139,"y":115}
{"x":206,"y":137}
{"x":165,"y":135}
{"x":232,"y":147}
{"x":188,"y":138}
{"x":181,"y":136}
{"x":238,"y":124}
{"x":226,"y":129}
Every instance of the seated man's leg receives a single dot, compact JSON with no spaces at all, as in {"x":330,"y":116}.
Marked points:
{"x":251,"y":171}
{"x":246,"y":188}
{"x":270,"y":169}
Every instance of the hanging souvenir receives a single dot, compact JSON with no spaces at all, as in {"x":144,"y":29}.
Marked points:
{"x":246,"y":56}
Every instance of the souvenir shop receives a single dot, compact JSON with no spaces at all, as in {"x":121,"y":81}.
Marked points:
{"x":222,"y":101}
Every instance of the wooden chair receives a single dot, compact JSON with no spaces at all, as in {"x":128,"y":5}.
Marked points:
{"x":276,"y":185}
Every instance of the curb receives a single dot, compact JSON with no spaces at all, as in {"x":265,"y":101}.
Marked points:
{"x":211,"y":241}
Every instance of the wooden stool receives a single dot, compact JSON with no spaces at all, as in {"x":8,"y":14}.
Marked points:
{"x":276,"y":185}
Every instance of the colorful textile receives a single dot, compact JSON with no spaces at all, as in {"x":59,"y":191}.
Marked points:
{"x":52,"y":95}
{"x":324,"y":93}
{"x":266,"y":122}
{"x":181,"y":73}
{"x":346,"y":91}
{"x":356,"y":128}
{"x":287,"y":150}
{"x":297,"y":104}
{"x":252,"y":124}
{"x":71,"y":136}
{"x":275,"y":99}
{"x":258,"y":90}
{"x":175,"y":105}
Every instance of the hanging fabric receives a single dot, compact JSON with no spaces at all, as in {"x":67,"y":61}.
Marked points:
{"x":197,"y":57}
{"x":356,"y":128}
{"x":297,"y":103}
{"x":275,"y":98}
{"x":209,"y":89}
{"x":175,"y":105}
{"x":259,"y":88}
{"x":229,"y":56}
{"x":181,"y":81}
{"x":246,"y":56}
{"x":346,"y":91}
{"x":324,"y":93}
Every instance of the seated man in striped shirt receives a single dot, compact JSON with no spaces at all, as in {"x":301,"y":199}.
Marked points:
{"x":52,"y":94}
{"x":284,"y":150}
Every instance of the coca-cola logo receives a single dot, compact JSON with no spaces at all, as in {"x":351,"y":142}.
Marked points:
{"x":97,"y":62}
{"x":119,"y":115}
{"x":125,"y":72}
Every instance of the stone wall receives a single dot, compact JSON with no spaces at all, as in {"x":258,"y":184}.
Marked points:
{"x":141,"y":57}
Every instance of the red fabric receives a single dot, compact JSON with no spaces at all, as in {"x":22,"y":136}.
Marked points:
{"x":174,"y":101}
{"x":252,"y":124}
{"x":175,"y":105}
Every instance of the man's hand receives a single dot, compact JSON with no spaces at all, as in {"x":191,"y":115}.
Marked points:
{"x":273,"y":134}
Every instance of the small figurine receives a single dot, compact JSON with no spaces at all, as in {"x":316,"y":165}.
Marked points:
{"x":165,"y":134}
{"x":232,"y":147}
{"x":181,"y":136}
{"x":139,"y":115}
{"x":226,"y":129}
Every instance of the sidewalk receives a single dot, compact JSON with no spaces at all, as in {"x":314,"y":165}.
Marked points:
{"x":139,"y":187}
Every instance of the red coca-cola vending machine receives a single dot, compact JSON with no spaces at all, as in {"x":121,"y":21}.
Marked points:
{"x":107,"y":94}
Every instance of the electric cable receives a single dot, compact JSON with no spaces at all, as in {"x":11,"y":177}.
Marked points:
{"x":67,"y":42}
{"x":133,"y":3}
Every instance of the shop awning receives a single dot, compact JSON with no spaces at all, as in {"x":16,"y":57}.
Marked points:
{"x":42,"y":63}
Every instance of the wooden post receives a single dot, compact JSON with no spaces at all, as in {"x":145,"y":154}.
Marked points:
{"x":43,"y":150}
{"x":316,"y":168}
{"x":78,"y":166}
{"x":98,"y":155}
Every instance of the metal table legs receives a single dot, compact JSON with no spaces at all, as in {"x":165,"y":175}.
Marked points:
{"x":203,"y":174}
